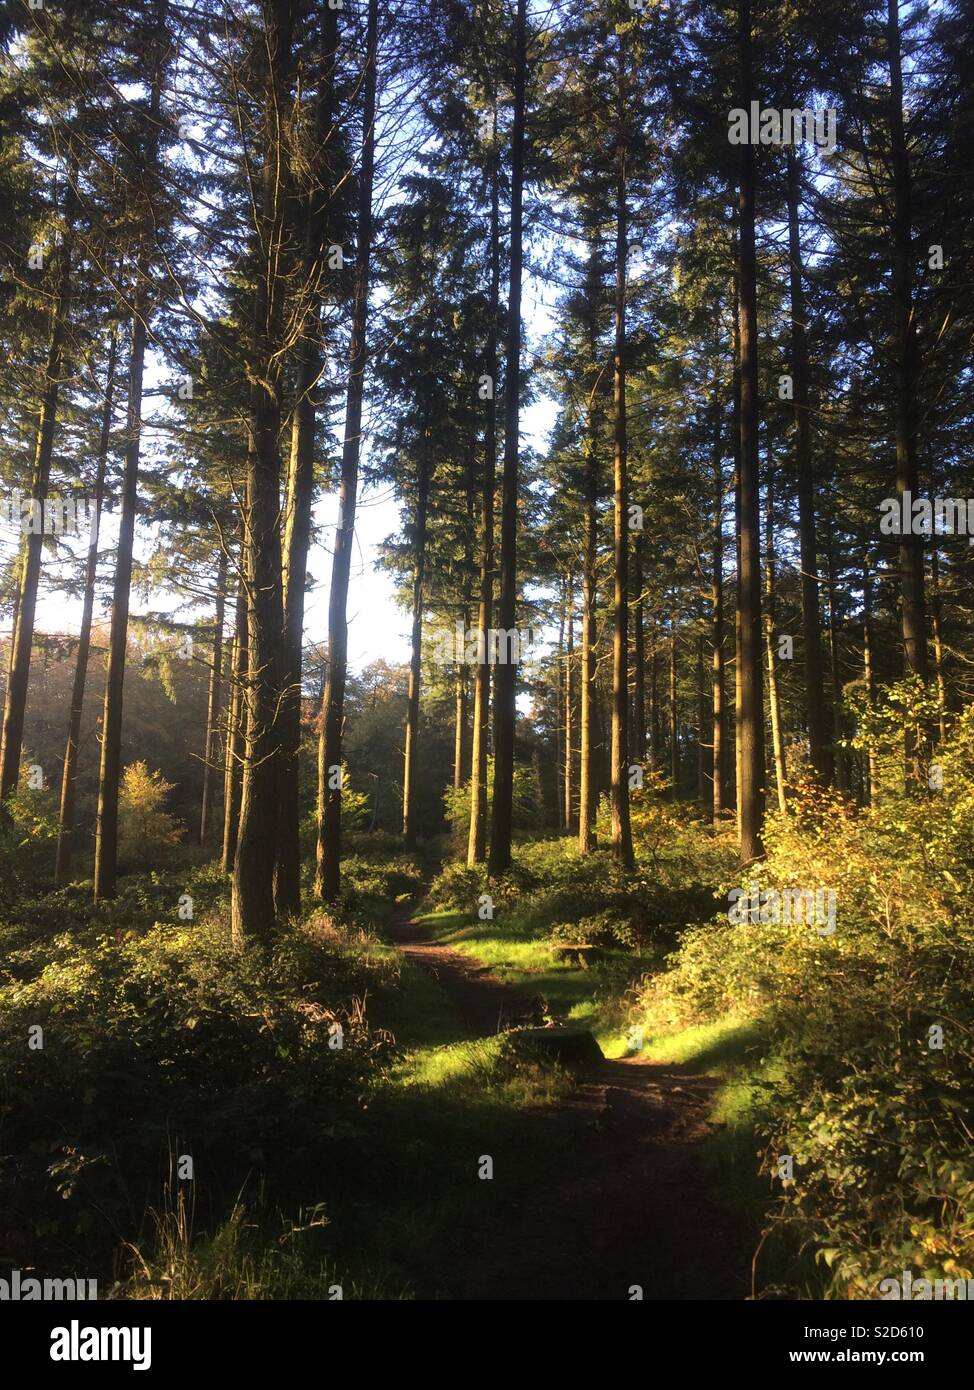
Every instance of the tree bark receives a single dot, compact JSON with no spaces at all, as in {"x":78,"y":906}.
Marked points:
{"x":638,"y":722}
{"x":622,"y":850}
{"x":569,"y":704}
{"x":819,"y":752}
{"x":477,"y":836}
{"x":236,"y":731}
{"x":328,"y":866}
{"x":214,"y":699}
{"x":841,"y":760}
{"x":505,"y":676}
{"x":777,"y":742}
{"x":717,"y":620}
{"x":913,"y":614}
{"x":252,"y":903}
{"x":69,"y":772}
{"x":936,"y":617}
{"x":674,"y":721}
{"x":588,"y":780}
{"x":22,"y":640}
{"x":300,"y":487}
{"x":752,"y":790}
{"x":869,"y":674}
{"x":410,"y":827}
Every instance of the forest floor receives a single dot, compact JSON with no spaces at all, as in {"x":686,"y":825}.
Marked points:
{"x":626,"y":1202}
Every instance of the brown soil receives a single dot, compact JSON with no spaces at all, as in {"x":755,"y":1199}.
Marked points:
{"x":631,"y":1207}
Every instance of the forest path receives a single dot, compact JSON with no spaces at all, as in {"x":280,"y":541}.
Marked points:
{"x":629,"y":1206}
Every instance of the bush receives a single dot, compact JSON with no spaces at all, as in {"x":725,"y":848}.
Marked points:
{"x":166,"y":1041}
{"x":871,"y":1109}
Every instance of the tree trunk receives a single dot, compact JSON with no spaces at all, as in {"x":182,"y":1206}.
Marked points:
{"x":215,"y":696}
{"x":704,"y":792}
{"x":752,"y":789}
{"x":69,"y":772}
{"x":717,"y":620}
{"x":638,"y":744}
{"x":841,"y":760}
{"x":777,"y":742}
{"x":869,"y":674}
{"x":906,"y":359}
{"x":622,"y":850}
{"x":505,"y":676}
{"x":106,"y":839}
{"x":410,"y":826}
{"x":460,"y":713}
{"x":819,"y":753}
{"x":236,"y":732}
{"x":936,"y":616}
{"x":328,"y":868}
{"x":569,"y":704}
{"x":477,"y":836}
{"x":22,"y":639}
{"x":674,"y":721}
{"x":300,"y":486}
{"x":252,"y":905}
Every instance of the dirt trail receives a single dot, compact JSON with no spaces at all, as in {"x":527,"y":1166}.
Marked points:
{"x":631,"y":1207}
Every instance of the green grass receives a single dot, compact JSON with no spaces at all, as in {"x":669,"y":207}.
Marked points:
{"x":516,"y":948}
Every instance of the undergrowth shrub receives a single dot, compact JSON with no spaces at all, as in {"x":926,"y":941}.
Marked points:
{"x":872,"y":1025}
{"x":163,"y":1041}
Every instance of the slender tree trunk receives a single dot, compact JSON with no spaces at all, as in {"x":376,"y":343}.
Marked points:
{"x":328,"y":870}
{"x":588,"y":780}
{"x":560,"y":708}
{"x":252,"y":905}
{"x":717,"y":621}
{"x":638,"y":753}
{"x":409,"y":808}
{"x":477,"y":836}
{"x":869,"y":675}
{"x":835,"y":659}
{"x":674,"y":720}
{"x":569,"y":704}
{"x":215,"y":696}
{"x":460,"y":712}
{"x":236,"y":732}
{"x":752,"y":790}
{"x":22,"y":640}
{"x":505,"y":676}
{"x":841,"y":760}
{"x":738,"y":663}
{"x":69,"y":772}
{"x":777,"y":742}
{"x":819,"y":752}
{"x":622,"y":850}
{"x":704,"y":792}
{"x":936,"y":615}
{"x":106,"y":840}
{"x":906,"y":359}
{"x":300,"y":485}
{"x":655,"y":752}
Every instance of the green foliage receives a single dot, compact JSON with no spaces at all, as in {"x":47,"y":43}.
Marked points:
{"x":525,"y":809}
{"x":162,"y":1041}
{"x":867,"y":1104}
{"x":145,"y":829}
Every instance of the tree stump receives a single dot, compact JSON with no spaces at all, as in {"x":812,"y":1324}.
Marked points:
{"x":573,"y":1048}
{"x":577,"y":953}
